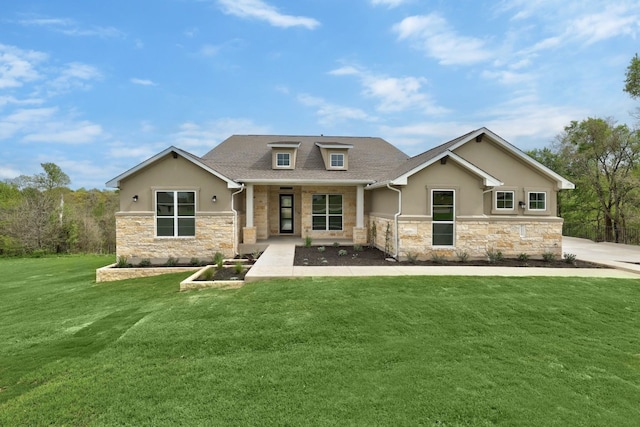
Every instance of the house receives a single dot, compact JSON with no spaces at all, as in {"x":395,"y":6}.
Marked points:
{"x":472,"y":194}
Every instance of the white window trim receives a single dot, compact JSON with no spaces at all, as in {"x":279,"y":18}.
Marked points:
{"x":546,"y":201}
{"x":331,"y":160}
{"x":176,"y":216}
{"x":513,"y":200}
{"x":327,"y":214}
{"x":287,"y":166}
{"x":453,"y":222}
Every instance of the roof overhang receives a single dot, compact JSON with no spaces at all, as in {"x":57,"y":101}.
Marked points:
{"x":283,"y":145}
{"x":334,"y":145}
{"x":290,"y":182}
{"x":561,"y":182}
{"x":487,"y":179}
{"x":115,"y":182}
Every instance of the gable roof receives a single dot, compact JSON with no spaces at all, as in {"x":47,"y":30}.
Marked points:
{"x":247,"y":158}
{"x":115,"y":182}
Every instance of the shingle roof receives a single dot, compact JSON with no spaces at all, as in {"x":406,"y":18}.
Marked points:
{"x":248,"y":157}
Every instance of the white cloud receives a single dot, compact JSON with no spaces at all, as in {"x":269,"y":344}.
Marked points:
{"x":142,"y":82}
{"x":394,"y":93}
{"x":71,"y":28}
{"x":389,"y":3}
{"x":8,"y":172}
{"x":209,"y":50}
{"x":613,"y":21}
{"x":258,"y":9}
{"x":18,"y":66}
{"x":207,"y":135}
{"x":73,"y":76}
{"x":331,"y":114}
{"x":433,"y":34}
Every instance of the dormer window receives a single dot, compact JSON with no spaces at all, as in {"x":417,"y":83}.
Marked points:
{"x":283,"y":154}
{"x":337,"y":160}
{"x":283,"y":160}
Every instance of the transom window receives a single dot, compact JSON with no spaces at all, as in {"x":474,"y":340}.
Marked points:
{"x":537,"y":201}
{"x":175,"y":213}
{"x":326,"y":211}
{"x":337,"y":160}
{"x":504,"y":199}
{"x":443,"y":217}
{"x":283,"y":160}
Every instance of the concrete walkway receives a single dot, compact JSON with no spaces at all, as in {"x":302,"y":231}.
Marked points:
{"x":277,"y":262}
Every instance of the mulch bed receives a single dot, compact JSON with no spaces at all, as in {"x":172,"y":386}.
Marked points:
{"x":331,"y":256}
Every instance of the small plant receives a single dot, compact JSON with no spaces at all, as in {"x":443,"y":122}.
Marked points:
{"x":324,"y":261}
{"x":412,"y":257}
{"x":336,"y":244}
{"x":144,"y":262}
{"x":358,"y":248}
{"x":238,"y":267}
{"x":387,"y":240}
{"x":463,"y":256}
{"x":208,"y":274}
{"x":570,"y":258}
{"x":524,"y":257}
{"x":308,"y":241}
{"x":171,"y":262}
{"x":373,"y":235}
{"x":321,"y":249}
{"x":218,"y":260}
{"x":548,"y":256}
{"x":256,"y":254}
{"x":194,"y":261}
{"x":342,"y":252}
{"x":494,"y":256}
{"x":123,"y":261}
{"x":437,"y":258}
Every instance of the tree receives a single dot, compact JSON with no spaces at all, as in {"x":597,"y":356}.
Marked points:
{"x":632,"y":81}
{"x":603,"y":157}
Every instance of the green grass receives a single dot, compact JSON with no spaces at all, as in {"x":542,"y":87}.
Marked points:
{"x":445,"y":351}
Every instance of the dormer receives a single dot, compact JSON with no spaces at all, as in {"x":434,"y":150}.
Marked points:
{"x":335,"y":155}
{"x":283,"y":154}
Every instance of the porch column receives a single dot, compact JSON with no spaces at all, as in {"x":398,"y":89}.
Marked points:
{"x":359,"y":231}
{"x":249,"y":231}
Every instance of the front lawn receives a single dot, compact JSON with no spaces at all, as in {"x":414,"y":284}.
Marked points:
{"x":445,"y":351}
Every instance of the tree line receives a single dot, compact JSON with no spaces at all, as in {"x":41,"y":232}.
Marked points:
{"x":602,"y":158}
{"x":39,"y":214}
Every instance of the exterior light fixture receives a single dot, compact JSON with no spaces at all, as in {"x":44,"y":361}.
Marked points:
{"x":214,"y":198}
{"x":522,"y":205}
{"x":135,"y":198}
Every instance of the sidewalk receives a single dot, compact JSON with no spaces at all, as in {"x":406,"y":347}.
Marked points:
{"x":277,"y":262}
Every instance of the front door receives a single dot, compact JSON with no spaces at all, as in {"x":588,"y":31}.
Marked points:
{"x":286,"y":213}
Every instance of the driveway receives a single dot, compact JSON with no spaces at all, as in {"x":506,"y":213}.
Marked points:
{"x":626,"y":257}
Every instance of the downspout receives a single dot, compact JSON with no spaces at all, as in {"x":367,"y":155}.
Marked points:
{"x":395,"y":218}
{"x":235,"y":220}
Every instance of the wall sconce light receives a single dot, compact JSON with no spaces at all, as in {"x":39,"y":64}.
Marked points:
{"x":135,"y":198}
{"x":214,"y":198}
{"x":522,"y":205}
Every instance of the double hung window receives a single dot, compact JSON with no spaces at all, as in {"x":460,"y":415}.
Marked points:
{"x":443,"y":217}
{"x":283,"y":160}
{"x":326,"y":211}
{"x":175,"y":213}
{"x":504,"y":200}
{"x":537,"y":201}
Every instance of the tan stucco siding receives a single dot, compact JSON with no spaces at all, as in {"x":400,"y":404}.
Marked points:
{"x":174,"y":174}
{"x":512,"y":171}
{"x":383,"y":201}
{"x":416,"y":195}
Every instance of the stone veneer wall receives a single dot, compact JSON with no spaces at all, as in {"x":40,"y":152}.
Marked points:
{"x":381,"y":222}
{"x":475,"y":236}
{"x":135,"y":238}
{"x":348,"y":212}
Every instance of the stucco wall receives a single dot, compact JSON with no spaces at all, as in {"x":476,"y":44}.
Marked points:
{"x":135,"y":238}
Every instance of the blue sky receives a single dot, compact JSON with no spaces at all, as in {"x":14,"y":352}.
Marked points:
{"x":99,"y":86}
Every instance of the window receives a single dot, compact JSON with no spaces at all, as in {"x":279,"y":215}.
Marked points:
{"x":443,"y":214}
{"x":504,"y":200}
{"x":326,"y":211}
{"x":283,"y":160}
{"x":537,"y":201}
{"x":337,"y":160}
{"x":175,"y":213}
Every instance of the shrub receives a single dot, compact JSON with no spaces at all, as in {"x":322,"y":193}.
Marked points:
{"x":412,"y":257}
{"x":342,"y":252}
{"x":336,"y":244}
{"x":145,"y":262}
{"x":321,"y":248}
{"x":172,"y":262}
{"x":218,"y":260}
{"x":194,"y":261}
{"x":570,"y":258}
{"x":358,"y":248}
{"x":463,"y":256}
{"x":308,"y":241}
{"x":548,"y":257}
{"x":123,"y":262}
{"x":437,"y":258}
{"x":256,"y":254}
{"x":524,"y":257}
{"x":494,"y":256}
{"x":208,"y":274}
{"x":238,"y":267}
